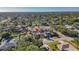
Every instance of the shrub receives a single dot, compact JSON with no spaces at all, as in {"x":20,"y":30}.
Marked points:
{"x":53,"y":45}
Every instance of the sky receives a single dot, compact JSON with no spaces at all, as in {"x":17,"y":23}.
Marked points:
{"x":39,"y":9}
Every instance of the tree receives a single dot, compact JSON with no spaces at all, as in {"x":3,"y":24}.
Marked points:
{"x":6,"y":35}
{"x":22,"y":45}
{"x":37,"y":42}
{"x":29,"y":39}
{"x":53,"y":45}
{"x":32,"y":48}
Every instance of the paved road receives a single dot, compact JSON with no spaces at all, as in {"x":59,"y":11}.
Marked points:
{"x":63,"y":37}
{"x":71,"y":48}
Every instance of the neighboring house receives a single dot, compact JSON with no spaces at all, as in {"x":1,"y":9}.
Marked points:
{"x":5,"y":45}
{"x":55,"y":18}
{"x":69,"y":27}
{"x":77,"y":17}
{"x":4,"y":29}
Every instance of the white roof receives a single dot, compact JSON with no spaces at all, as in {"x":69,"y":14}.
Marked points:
{"x":68,"y":26}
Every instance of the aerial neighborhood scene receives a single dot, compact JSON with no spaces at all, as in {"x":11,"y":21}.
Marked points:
{"x":39,"y":29}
